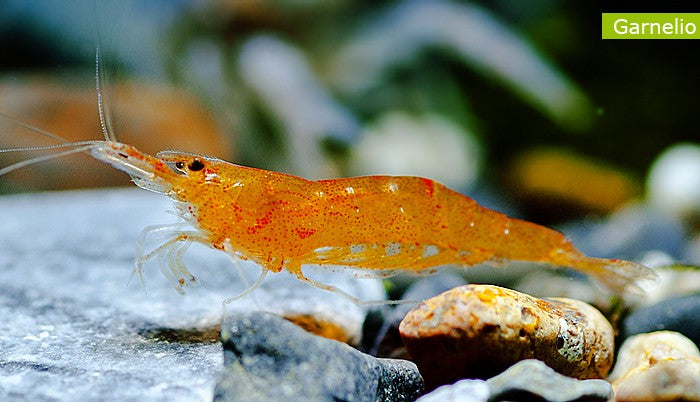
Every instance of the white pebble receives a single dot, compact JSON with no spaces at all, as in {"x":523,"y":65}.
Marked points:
{"x":673,"y":184}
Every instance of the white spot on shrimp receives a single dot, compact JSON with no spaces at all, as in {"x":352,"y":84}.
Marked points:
{"x":211,"y":177}
{"x":402,"y":211}
{"x":506,"y":231}
{"x":471,"y":224}
{"x":320,"y":193}
{"x":357,"y":248}
{"x":393,"y":187}
{"x":430,"y":250}
{"x":350,"y":190}
{"x":392,"y":249}
{"x":322,"y":252}
{"x":237,"y":184}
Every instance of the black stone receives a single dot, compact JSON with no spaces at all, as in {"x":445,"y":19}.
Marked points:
{"x":678,"y":314}
{"x":268,"y":358}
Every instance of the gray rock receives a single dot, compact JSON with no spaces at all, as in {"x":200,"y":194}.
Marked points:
{"x":678,"y":314}
{"x":533,"y":380}
{"x":72,"y":325}
{"x":283,"y":294}
{"x":270,"y":359}
{"x":461,"y":391}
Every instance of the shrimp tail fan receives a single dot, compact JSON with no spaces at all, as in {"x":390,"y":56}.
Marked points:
{"x":620,"y":276}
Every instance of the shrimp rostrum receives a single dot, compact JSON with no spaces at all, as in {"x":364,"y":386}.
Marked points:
{"x":380,"y":225}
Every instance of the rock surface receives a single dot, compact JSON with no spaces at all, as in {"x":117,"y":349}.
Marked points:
{"x":461,"y":391}
{"x":271,"y":359}
{"x":661,"y":365}
{"x":72,"y":325}
{"x":527,"y":380}
{"x":318,"y":311}
{"x":533,"y":380}
{"x":477,"y":331}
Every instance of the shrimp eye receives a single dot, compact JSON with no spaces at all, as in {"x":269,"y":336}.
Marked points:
{"x":196,"y":165}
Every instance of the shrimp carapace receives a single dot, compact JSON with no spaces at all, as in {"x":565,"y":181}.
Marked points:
{"x":381,"y":225}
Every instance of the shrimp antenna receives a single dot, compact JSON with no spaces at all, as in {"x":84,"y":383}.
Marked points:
{"x":64,"y":143}
{"x":37,"y":130}
{"x":105,"y":121}
{"x":54,"y":146}
{"x":76,"y":147}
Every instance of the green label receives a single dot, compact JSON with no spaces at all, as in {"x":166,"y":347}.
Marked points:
{"x":651,"y":25}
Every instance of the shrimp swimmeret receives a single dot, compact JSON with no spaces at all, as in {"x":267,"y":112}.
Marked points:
{"x":381,"y":225}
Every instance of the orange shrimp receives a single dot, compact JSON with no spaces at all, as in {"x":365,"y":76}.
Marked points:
{"x":381,"y":225}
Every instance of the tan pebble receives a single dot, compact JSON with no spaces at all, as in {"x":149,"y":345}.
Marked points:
{"x":321,"y":327}
{"x":574,"y":183}
{"x":658,"y":366}
{"x":149,"y":117}
{"x":477,"y":331}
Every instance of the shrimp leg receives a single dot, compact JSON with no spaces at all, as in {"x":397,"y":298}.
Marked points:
{"x":249,"y":290}
{"x":145,"y":233}
{"x":170,"y":258}
{"x":295,"y":268}
{"x":170,"y":264}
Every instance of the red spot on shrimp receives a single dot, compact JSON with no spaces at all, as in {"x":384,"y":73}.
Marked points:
{"x":263,"y":221}
{"x":304,"y":233}
{"x":429,"y":186}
